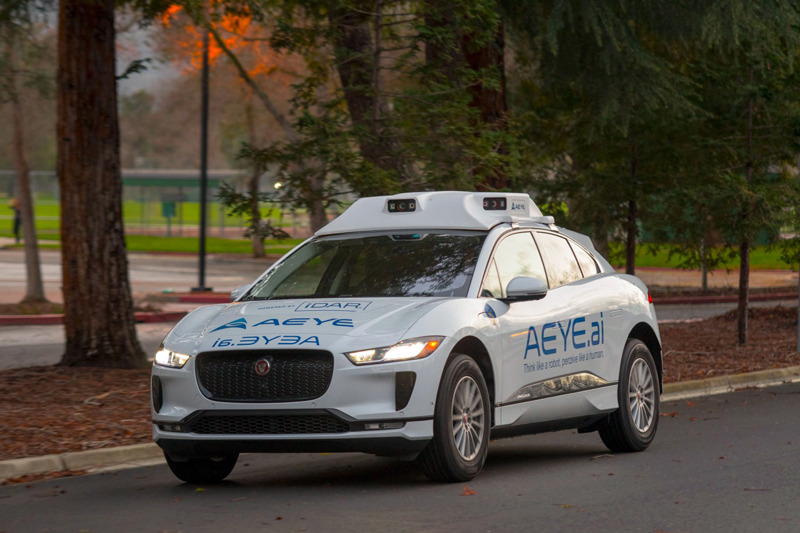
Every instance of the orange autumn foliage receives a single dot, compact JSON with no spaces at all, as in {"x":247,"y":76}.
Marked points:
{"x":237,"y":32}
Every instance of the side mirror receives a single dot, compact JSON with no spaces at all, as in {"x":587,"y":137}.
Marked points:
{"x":523,"y":289}
{"x":238,"y":291}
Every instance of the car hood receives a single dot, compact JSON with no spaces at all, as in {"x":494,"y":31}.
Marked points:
{"x":379,"y":321}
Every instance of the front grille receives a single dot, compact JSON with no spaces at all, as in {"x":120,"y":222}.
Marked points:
{"x":268,"y":425}
{"x":294,"y":375}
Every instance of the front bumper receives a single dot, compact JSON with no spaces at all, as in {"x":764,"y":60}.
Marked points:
{"x":373,"y":415}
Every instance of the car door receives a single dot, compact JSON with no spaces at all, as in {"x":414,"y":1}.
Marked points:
{"x":528,"y":330}
{"x":592,"y":310}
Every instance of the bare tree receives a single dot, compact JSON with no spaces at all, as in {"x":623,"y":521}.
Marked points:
{"x":12,"y":33}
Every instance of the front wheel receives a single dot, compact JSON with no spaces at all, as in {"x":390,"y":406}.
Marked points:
{"x":461,"y":424}
{"x":632,"y":427}
{"x":203,"y":469}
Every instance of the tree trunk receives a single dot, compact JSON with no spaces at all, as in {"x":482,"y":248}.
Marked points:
{"x":600,"y":238}
{"x":744,"y":291}
{"x":744,"y":249}
{"x":318,"y":217}
{"x":255,"y":213}
{"x":490,"y":100}
{"x":34,"y":289}
{"x":98,"y":307}
{"x":252,"y":186}
{"x":630,"y":244}
{"x":355,"y":55}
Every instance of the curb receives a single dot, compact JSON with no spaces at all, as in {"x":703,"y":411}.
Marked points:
{"x":99,"y":458}
{"x":731,"y":298}
{"x":149,"y":453}
{"x":722,"y":384}
{"x":49,"y":320}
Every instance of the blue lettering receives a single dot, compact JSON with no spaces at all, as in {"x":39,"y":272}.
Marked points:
{"x":343,"y":322}
{"x":225,"y":342}
{"x":295,"y":321}
{"x":267,"y":340}
{"x":320,"y":321}
{"x":289,"y":340}
{"x":248,"y":341}
{"x":311,"y":340}
{"x":353,"y":305}
{"x":535,"y":344}
{"x":602,"y":330}
{"x":565,"y":334}
{"x":577,"y":332}
{"x":595,"y":334}
{"x":272,"y":321}
{"x":546,"y":338}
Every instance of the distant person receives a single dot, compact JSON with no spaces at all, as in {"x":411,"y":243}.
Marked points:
{"x":14,"y":205}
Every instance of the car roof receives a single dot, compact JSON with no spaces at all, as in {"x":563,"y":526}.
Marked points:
{"x":435,"y":211}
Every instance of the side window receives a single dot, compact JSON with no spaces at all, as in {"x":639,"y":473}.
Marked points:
{"x":562,"y":267}
{"x":491,"y":285}
{"x":516,"y":256}
{"x":586,"y":261}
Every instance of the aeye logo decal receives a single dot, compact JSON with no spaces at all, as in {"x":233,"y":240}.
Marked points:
{"x":517,"y":206}
{"x":239,"y":323}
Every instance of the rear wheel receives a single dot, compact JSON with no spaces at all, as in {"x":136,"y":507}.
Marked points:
{"x":461,"y":424}
{"x":632,"y":427}
{"x":203,"y":469}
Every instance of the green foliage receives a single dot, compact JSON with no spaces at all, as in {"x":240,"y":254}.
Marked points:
{"x":241,"y":204}
{"x":422,"y":133}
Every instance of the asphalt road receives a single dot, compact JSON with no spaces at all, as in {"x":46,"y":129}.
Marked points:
{"x":727,"y":463}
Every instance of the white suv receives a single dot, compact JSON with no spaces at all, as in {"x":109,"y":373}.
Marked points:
{"x":417,"y":325}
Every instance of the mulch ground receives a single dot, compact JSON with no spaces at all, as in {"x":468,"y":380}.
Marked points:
{"x":49,"y":409}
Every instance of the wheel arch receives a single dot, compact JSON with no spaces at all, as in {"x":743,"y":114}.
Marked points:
{"x":475,"y":349}
{"x":645,"y":333}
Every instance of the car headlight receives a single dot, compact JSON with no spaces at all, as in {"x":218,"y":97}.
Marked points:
{"x":402,"y":351}
{"x":170,"y":358}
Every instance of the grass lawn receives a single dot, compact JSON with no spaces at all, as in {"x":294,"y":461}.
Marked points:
{"x":761,"y":257}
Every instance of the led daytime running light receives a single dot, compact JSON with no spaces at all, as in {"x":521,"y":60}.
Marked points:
{"x":403,"y":351}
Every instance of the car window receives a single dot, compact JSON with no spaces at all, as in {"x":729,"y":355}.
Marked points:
{"x":516,"y":256}
{"x":586,"y":261}
{"x":562,"y":267}
{"x":491,"y":284}
{"x":418,"y":264}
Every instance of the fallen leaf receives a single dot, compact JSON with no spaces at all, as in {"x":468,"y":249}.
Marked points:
{"x":690,"y":404}
{"x":603,"y":456}
{"x":671,"y":415}
{"x":692,"y":418}
{"x":468,"y":491}
{"x":278,"y":518}
{"x":199,"y":489}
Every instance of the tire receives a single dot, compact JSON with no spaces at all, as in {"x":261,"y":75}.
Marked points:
{"x":461,"y":424}
{"x":632,"y":427}
{"x":203,"y":469}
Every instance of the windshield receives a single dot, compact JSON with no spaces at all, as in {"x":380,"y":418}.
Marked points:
{"x":419,"y":264}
